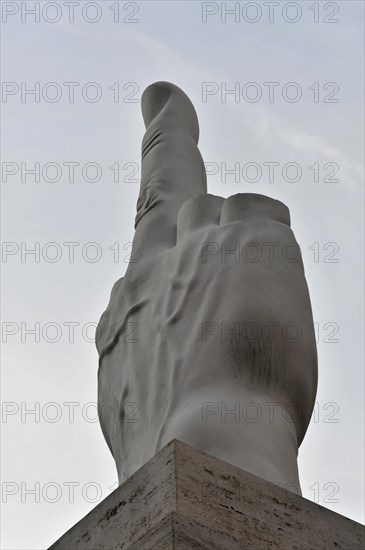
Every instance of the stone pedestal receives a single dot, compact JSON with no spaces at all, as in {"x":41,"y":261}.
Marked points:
{"x":183,"y":498}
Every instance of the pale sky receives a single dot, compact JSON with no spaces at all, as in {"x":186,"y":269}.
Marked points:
{"x":319,"y":137}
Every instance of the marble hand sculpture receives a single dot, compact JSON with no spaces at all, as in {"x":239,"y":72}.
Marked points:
{"x":208,"y":338}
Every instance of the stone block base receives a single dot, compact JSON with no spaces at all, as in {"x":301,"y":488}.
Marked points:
{"x":183,"y":498}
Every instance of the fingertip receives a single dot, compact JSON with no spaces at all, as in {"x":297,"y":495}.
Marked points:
{"x":154,"y":98}
{"x":180,"y":111}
